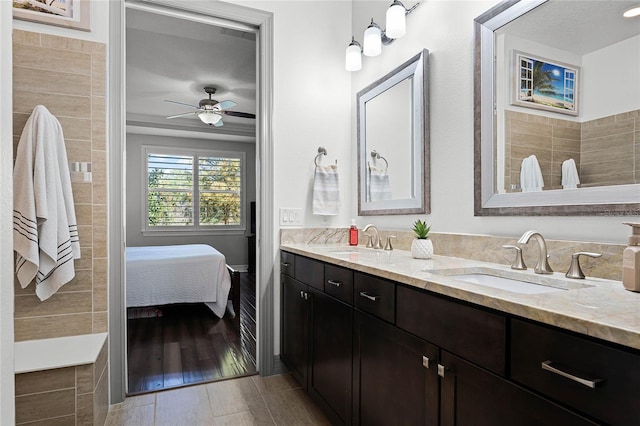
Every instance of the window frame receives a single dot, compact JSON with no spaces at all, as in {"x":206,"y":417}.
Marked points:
{"x":196,"y":228}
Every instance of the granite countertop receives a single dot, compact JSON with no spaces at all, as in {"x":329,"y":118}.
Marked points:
{"x":594,"y":307}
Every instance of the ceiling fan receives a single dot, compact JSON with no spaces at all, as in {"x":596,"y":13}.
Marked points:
{"x":211,"y":111}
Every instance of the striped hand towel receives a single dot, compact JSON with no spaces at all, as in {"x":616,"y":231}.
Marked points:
{"x":326,"y":193}
{"x":379,"y":184}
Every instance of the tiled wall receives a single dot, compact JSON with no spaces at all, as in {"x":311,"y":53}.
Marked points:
{"x":481,"y":247}
{"x":68,"y":77}
{"x":606,"y":150}
{"x":64,"y":396}
{"x":611,"y":150}
{"x":551,"y":140}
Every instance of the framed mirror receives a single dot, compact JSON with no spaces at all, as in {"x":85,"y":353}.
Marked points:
{"x":545,"y":87}
{"x":393,"y":141}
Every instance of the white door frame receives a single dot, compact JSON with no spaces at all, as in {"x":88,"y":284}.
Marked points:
{"x":263,"y":22}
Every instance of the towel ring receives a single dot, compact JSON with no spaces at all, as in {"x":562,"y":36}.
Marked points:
{"x":376,"y":156}
{"x":321,"y":151}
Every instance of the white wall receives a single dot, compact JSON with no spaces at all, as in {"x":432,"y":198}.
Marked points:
{"x":7,"y":392}
{"x":445,"y":28}
{"x":613,"y":78}
{"x":232,"y":245}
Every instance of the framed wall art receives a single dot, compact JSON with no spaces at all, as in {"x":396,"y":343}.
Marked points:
{"x":63,"y":13}
{"x":544,"y":84}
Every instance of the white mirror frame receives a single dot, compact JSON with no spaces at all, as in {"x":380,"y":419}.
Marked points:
{"x":420,"y":201}
{"x":620,"y":200}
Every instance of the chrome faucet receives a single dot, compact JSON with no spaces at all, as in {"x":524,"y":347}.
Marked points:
{"x":543,"y":259}
{"x":374,"y":241}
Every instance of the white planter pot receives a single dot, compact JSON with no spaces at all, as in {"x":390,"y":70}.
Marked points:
{"x":422,"y":249}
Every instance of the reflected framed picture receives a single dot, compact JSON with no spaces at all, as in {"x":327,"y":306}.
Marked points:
{"x":63,"y":13}
{"x":544,"y":84}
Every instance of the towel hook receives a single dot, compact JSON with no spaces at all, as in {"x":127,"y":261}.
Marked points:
{"x":321,"y":151}
{"x":376,"y":156}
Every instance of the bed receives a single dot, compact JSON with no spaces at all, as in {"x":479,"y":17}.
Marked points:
{"x":190,"y":273}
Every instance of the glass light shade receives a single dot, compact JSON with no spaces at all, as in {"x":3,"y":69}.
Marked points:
{"x":372,"y":40}
{"x":396,"y":21}
{"x":209,"y":117}
{"x":353,"y":58}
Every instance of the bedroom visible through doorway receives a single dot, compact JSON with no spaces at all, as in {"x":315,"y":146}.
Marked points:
{"x":190,"y":185}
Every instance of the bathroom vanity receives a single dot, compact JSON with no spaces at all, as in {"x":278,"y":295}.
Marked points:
{"x":376,"y":337}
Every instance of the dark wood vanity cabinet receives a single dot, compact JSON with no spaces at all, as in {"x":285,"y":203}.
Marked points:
{"x":316,"y":339}
{"x":395,"y":380}
{"x":374,"y":352}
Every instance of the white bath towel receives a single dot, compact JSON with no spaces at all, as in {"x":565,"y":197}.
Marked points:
{"x":326,"y":193}
{"x":570,"y":179}
{"x":530,"y":175}
{"x":379,"y":184}
{"x":45,"y":232}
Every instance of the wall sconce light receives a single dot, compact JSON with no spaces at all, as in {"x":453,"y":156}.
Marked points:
{"x":375,"y":37}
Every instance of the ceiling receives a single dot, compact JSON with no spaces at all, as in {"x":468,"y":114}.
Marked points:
{"x":576,"y":26}
{"x":170,"y":58}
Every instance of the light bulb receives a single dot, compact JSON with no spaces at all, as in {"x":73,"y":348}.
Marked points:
{"x":396,"y":21}
{"x":353,"y":58}
{"x":632,"y":13}
{"x":372,"y":40}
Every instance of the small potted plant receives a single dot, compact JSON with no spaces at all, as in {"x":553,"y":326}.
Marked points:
{"x":421,"y":247}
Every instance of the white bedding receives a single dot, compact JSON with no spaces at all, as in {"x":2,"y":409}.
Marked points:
{"x":160,"y":275}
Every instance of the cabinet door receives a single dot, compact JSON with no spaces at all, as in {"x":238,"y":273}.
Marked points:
{"x":473,"y":396}
{"x":295,"y":325}
{"x":331,"y":356}
{"x":391,"y":382}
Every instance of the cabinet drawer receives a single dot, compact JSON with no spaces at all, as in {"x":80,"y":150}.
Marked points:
{"x":287,"y":263}
{"x":310,"y":272}
{"x":338,"y":282}
{"x":578,"y":365}
{"x":472,"y":333}
{"x":374,"y":295}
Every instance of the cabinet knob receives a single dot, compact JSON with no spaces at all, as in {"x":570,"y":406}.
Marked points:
{"x":441,"y":370}
{"x":301,"y":294}
{"x":425,"y":362}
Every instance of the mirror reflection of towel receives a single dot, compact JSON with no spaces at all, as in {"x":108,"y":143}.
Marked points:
{"x":379,"y":185}
{"x":570,"y":179}
{"x":326,"y":194}
{"x":531,"y":175}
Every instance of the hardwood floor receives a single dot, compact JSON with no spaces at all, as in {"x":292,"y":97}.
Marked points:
{"x":188,"y":344}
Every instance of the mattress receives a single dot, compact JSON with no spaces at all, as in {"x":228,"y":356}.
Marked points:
{"x":191,"y":273}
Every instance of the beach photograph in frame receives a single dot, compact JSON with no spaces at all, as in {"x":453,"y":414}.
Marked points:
{"x":63,"y":13}
{"x":543,"y":84}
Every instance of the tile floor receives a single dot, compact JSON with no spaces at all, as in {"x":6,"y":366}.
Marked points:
{"x":254,"y":400}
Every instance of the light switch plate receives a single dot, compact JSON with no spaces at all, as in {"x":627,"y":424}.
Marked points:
{"x":290,"y":216}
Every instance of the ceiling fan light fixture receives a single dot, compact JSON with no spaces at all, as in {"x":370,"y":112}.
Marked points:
{"x":209,"y":117}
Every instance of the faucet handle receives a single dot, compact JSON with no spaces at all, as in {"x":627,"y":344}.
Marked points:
{"x":388,"y":246}
{"x":369,"y":243}
{"x":575,"y":271}
{"x":518,"y":262}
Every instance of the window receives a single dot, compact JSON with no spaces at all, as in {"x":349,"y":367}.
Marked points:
{"x":193,"y":191}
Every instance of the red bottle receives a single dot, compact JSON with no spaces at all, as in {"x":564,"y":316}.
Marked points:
{"x":353,"y":233}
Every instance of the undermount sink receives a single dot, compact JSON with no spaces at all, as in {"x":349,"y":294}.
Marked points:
{"x":512,"y":281}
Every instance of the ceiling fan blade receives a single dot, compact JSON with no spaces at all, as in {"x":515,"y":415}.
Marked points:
{"x":239,"y":114}
{"x":219,"y":123}
{"x":225,"y":104}
{"x":184,"y":114}
{"x":181,"y":103}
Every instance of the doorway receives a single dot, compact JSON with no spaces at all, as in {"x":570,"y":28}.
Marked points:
{"x":263,"y":200}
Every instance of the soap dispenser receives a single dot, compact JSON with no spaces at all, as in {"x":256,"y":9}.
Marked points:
{"x":631,"y":260}
{"x":353,"y":233}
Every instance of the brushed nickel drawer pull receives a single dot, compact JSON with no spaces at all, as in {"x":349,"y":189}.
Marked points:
{"x":592,"y":383}
{"x":284,"y":264}
{"x":335,"y":283}
{"x":371,"y":297}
